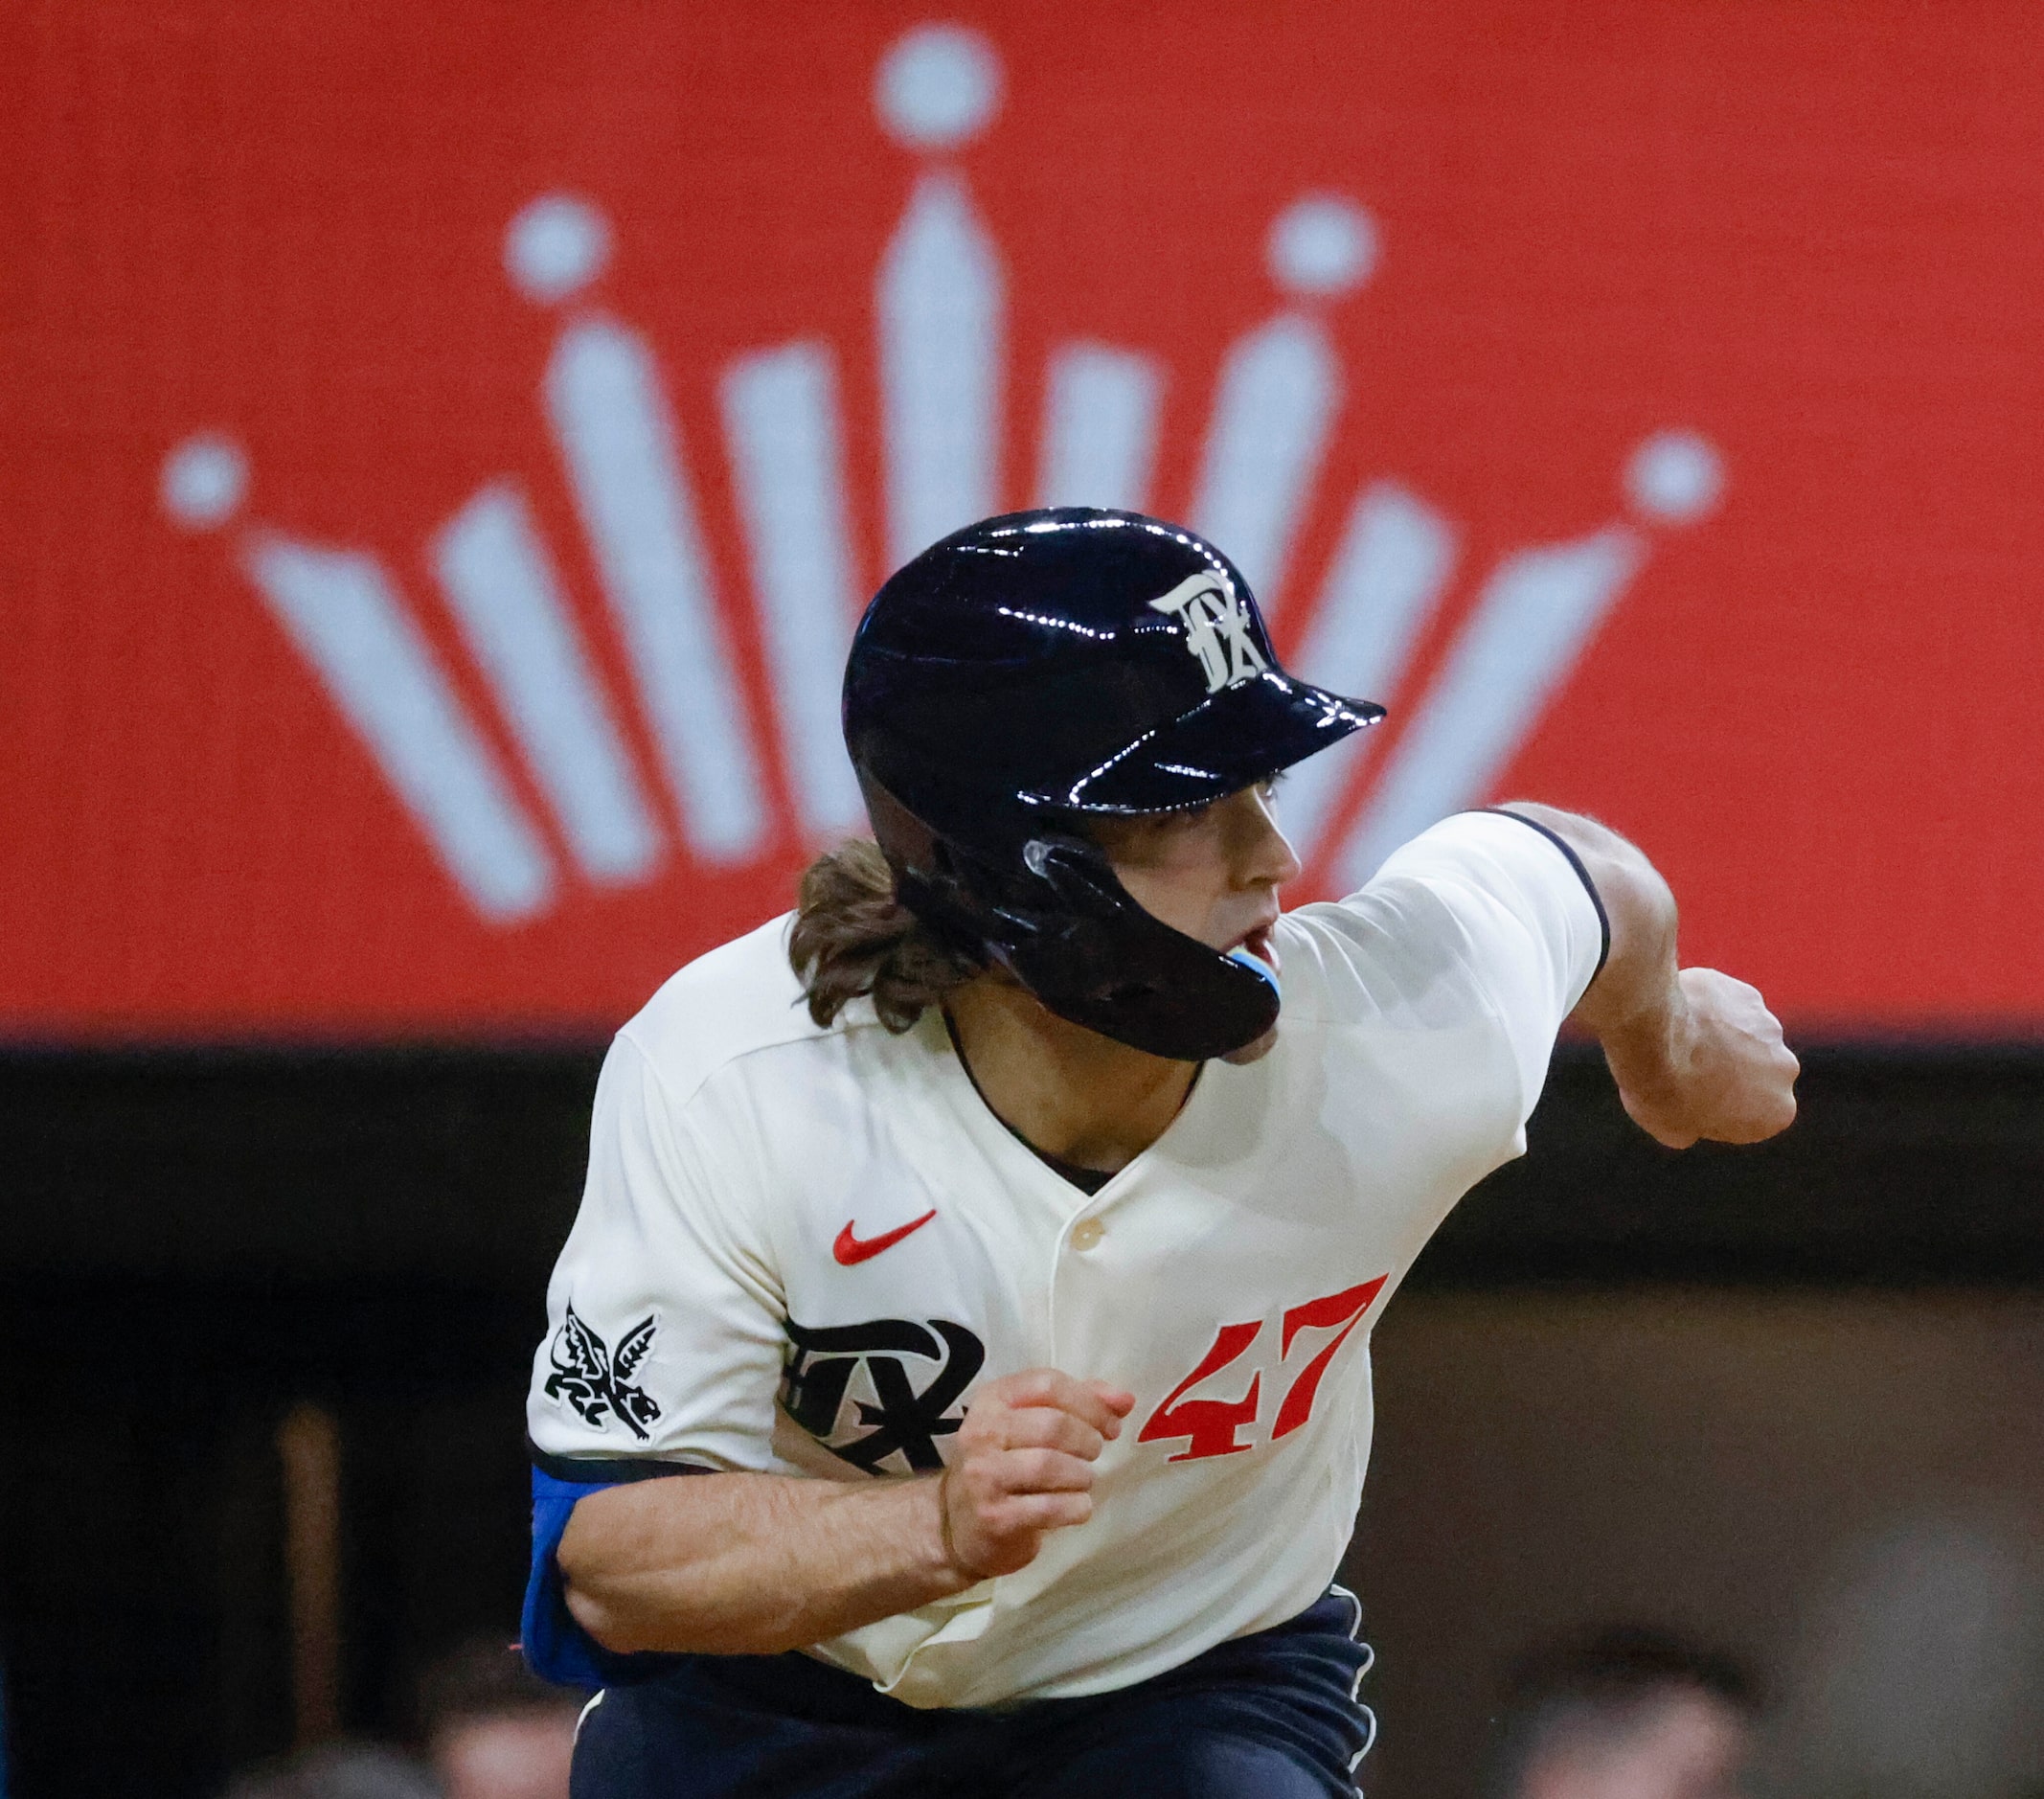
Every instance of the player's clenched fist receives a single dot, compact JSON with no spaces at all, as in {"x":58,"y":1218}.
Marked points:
{"x":1023,"y":1465}
{"x":1724,"y":1072}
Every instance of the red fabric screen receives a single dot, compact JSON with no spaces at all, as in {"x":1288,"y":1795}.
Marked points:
{"x":445,"y":446}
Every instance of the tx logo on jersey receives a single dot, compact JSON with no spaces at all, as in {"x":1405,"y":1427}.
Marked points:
{"x":900,"y":1420}
{"x":1217,"y":629}
{"x":594,"y":1381}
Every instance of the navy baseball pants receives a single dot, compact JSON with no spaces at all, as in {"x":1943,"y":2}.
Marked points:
{"x":1272,"y":1715}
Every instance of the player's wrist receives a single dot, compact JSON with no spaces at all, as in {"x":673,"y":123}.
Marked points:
{"x":941,"y":1538}
{"x":1650,"y":1045}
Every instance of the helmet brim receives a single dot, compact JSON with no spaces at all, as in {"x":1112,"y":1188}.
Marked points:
{"x":1240,"y":735}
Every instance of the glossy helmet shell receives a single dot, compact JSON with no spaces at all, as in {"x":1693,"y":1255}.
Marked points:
{"x":1041,"y":666}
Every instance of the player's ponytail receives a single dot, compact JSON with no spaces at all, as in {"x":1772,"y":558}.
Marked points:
{"x":854,"y":937}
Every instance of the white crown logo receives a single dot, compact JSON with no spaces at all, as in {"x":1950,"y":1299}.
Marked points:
{"x":939,"y":306}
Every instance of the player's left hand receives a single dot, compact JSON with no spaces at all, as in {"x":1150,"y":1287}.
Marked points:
{"x":1715,"y":1067}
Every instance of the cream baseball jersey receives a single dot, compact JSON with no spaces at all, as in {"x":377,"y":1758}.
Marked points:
{"x":799,"y":1249}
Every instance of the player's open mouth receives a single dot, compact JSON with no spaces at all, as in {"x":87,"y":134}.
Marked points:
{"x":1258,"y":942}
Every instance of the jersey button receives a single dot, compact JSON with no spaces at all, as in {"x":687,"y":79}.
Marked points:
{"x":1087,"y":1233}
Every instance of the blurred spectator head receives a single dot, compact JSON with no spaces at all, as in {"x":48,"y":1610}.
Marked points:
{"x":338,"y":1770}
{"x":494,"y":1729}
{"x":1627,"y":1714}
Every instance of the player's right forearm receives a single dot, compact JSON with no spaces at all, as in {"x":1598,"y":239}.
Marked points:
{"x":751,"y":1564}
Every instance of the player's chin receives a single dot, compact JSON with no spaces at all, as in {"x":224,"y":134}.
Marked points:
{"x":1255,"y":1050}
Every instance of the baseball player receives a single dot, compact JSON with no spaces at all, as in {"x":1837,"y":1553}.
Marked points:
{"x":957,"y":1378}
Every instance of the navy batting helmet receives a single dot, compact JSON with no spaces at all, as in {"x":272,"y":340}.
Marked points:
{"x":1039,"y":666}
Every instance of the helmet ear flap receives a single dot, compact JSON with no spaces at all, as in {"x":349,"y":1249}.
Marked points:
{"x":925,"y":871}
{"x":942,"y":897}
{"x":1056,"y":919}
{"x":1077,"y":876}
{"x":1074,"y":907}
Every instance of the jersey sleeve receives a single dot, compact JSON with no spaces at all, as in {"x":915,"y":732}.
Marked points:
{"x":665,"y":1315}
{"x":1525,"y":920}
{"x":663,"y":1336}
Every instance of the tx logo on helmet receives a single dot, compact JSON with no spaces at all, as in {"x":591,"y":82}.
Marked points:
{"x":900,"y":1420}
{"x":1217,"y":629}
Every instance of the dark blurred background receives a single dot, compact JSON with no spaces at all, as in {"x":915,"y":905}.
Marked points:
{"x":1620,"y":1384}
{"x":441,"y":457}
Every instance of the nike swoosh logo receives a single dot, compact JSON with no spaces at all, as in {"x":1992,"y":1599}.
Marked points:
{"x":847,"y":1248}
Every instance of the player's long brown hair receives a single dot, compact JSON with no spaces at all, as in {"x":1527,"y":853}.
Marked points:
{"x":854,"y":937}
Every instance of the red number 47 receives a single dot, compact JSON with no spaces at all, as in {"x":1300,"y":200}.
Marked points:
{"x":1209,"y":1425}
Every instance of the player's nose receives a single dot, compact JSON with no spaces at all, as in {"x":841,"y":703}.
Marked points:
{"x":1261,"y":853}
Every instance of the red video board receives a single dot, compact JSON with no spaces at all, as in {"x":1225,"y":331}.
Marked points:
{"x":447,"y":447}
